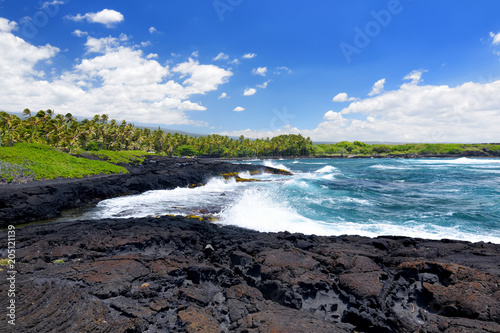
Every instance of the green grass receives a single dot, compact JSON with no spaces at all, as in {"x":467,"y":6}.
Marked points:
{"x":26,"y":161}
{"x":117,"y":157}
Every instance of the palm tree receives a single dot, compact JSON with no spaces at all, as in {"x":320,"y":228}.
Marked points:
{"x":58,"y":125}
{"x":27,"y":112}
{"x":9,"y":121}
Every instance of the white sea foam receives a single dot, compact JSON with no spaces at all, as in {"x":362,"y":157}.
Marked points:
{"x":461,"y":160}
{"x":272,"y":164}
{"x":298,"y":183}
{"x":259,"y":210}
{"x":389,"y":167}
{"x":181,"y":200}
{"x":327,"y":169}
{"x":328,"y":177}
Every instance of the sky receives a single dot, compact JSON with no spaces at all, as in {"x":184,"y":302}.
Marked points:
{"x":333,"y":70}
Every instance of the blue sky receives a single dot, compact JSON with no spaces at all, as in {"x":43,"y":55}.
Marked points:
{"x":392,"y":70}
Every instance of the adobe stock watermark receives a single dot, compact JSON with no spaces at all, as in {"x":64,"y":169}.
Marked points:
{"x":373,"y":28}
{"x":281,"y":119}
{"x":11,"y":275}
{"x":223,"y":6}
{"x":47,"y":10}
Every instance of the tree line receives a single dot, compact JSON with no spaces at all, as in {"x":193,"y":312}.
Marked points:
{"x":101,"y":133}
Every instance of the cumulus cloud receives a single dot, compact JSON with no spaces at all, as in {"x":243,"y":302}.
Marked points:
{"x":111,"y":77}
{"x":239,"y":109}
{"x":377,"y":88}
{"x":221,"y":56}
{"x":80,"y":33}
{"x":415,"y":76}
{"x":108,"y":17}
{"x":249,"y":92}
{"x":152,"y":30}
{"x":263,"y":85}
{"x":223,"y":95}
{"x":202,"y":78}
{"x":249,"y":56}
{"x":6,"y":25}
{"x":343,"y":97}
{"x":260,"y":71}
{"x":495,"y":38}
{"x":468,"y":112}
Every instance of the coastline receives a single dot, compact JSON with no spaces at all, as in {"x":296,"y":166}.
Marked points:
{"x":185,"y":274}
{"x":177,"y":274}
{"x":405,"y":156}
{"x":46,"y":199}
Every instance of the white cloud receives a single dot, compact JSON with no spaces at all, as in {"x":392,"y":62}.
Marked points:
{"x":195,"y":54}
{"x":343,"y":97}
{"x":108,"y":17}
{"x":282,"y":70}
{"x":249,"y":92}
{"x":152,"y":30}
{"x":203,"y":78}
{"x":221,"y":56}
{"x":152,"y":55}
{"x":223,"y":95}
{"x":377,"y":88}
{"x":101,"y":45}
{"x":6,"y":25}
{"x":80,"y":33}
{"x":263,"y":85}
{"x":260,"y":71}
{"x":51,"y":3}
{"x":110,"y":78}
{"x":239,"y":109}
{"x":469,"y":112}
{"x":335,"y":116}
{"x":249,"y":56}
{"x":415,"y":76}
{"x":495,"y":37}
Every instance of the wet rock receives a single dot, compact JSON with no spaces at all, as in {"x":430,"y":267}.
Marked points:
{"x":45,"y":199}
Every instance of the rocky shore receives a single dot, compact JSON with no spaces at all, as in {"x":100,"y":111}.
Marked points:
{"x":178,"y":274}
{"x":41,"y":200}
{"x":174,"y":274}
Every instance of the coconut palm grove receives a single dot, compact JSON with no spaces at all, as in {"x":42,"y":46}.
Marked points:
{"x":101,"y":133}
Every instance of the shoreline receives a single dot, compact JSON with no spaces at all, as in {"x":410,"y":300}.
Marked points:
{"x":182,"y":274}
{"x":186,"y":274}
{"x":46,"y":199}
{"x":403,"y":156}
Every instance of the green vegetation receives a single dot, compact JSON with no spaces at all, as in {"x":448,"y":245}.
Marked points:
{"x":345,"y":148}
{"x":118,"y":157}
{"x":25,"y":161}
{"x":185,"y":150}
{"x":102,"y":134}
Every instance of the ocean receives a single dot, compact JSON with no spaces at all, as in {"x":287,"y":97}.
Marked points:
{"x":426,"y":198}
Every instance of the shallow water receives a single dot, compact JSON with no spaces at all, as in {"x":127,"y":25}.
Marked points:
{"x":428,"y":198}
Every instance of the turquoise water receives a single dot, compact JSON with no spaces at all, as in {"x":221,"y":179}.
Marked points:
{"x":428,"y":198}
